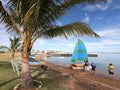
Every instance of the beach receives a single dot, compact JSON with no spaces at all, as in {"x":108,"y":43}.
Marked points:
{"x":102,"y":62}
{"x":80,"y":80}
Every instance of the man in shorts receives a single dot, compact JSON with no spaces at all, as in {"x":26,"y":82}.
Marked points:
{"x":111,"y":70}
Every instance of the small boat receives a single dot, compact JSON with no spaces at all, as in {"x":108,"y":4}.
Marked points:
{"x":79,"y":55}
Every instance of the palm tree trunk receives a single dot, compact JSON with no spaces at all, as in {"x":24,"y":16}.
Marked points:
{"x":13,"y":54}
{"x":26,"y":78}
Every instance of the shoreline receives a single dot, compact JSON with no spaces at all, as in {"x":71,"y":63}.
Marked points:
{"x":99,"y":72}
{"x":106,"y":74}
{"x":102,"y":62}
{"x":88,"y":79}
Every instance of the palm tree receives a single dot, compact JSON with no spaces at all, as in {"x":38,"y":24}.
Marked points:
{"x":33,"y":19}
{"x":14,"y":45}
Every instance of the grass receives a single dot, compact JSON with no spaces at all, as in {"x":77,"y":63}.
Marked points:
{"x":8,"y":78}
{"x":7,"y":56}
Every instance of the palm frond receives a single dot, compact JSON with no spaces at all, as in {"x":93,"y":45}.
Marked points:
{"x":32,"y":15}
{"x":14,"y":43}
{"x":6,"y":18}
{"x":73,"y":29}
{"x":42,"y":12}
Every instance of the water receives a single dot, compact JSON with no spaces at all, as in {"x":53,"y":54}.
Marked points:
{"x":102,"y":63}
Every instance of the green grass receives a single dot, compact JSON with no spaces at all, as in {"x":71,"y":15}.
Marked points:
{"x":50,"y":80}
{"x":8,"y":56}
{"x":8,"y":78}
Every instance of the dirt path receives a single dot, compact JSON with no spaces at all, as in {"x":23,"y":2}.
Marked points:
{"x":93,"y":81}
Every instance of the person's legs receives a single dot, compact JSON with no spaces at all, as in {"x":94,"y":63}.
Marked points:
{"x":93,"y":70}
{"x":111,"y":74}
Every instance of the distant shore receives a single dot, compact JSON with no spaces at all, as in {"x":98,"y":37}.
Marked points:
{"x":89,"y":55}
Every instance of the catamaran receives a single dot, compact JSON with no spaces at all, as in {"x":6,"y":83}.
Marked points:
{"x":79,"y":55}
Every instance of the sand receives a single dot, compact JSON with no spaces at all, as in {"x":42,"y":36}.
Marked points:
{"x":81,"y":80}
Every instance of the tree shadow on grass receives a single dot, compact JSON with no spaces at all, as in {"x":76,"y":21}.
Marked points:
{"x":49,"y":80}
{"x":5,"y":64}
{"x":47,"y":83}
{"x":8,"y":81}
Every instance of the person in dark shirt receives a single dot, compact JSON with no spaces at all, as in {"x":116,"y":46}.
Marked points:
{"x":93,"y":67}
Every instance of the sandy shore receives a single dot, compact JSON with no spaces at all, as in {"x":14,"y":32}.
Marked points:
{"x":80,"y":80}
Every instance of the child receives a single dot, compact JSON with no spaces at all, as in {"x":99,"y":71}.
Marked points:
{"x":86,"y":65}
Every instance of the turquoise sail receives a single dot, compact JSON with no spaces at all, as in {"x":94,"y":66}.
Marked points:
{"x":80,"y":53}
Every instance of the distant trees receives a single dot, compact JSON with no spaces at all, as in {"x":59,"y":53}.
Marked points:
{"x":14,"y":45}
{"x":4,"y":49}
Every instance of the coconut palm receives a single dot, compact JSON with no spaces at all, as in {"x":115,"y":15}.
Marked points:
{"x":33,"y":19}
{"x":14,"y":45}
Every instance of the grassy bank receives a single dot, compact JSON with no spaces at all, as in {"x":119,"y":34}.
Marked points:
{"x":8,"y":78}
{"x":7,"y":56}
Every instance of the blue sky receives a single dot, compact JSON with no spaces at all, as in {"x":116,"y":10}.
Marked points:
{"x":104,"y":19}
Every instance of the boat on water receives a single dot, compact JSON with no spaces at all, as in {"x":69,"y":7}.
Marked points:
{"x":93,"y":55}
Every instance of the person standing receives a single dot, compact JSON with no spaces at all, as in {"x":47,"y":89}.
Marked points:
{"x":111,"y":70}
{"x":86,"y":64}
{"x":93,"y":65}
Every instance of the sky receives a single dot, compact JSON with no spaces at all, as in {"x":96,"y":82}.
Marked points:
{"x":103,"y":18}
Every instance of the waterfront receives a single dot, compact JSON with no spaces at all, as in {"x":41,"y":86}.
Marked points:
{"x":102,"y":62}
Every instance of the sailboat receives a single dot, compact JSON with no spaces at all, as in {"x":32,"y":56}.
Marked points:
{"x":79,"y":55}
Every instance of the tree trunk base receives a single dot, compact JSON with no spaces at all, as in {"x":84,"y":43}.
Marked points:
{"x":37,"y":85}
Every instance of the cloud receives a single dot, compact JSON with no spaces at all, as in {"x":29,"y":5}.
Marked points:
{"x":58,"y":23}
{"x":2,"y":26}
{"x":111,"y":33}
{"x":4,"y":39}
{"x":98,"y":18}
{"x":59,"y":43}
{"x":4,"y":1}
{"x":109,"y":40}
{"x":116,"y":7}
{"x":110,"y":36}
{"x":101,"y":6}
{"x":86,"y":19}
